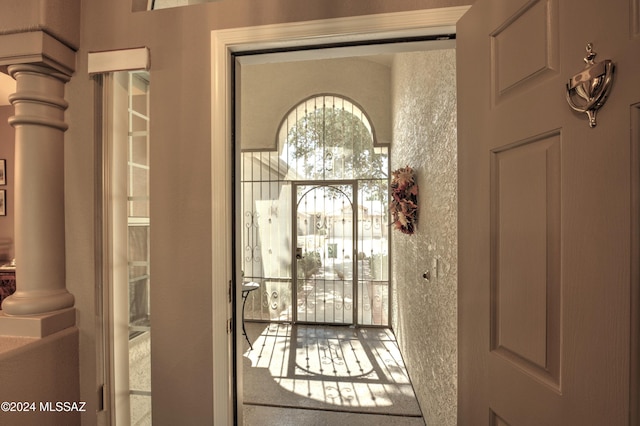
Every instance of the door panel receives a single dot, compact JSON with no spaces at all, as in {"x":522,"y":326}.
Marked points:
{"x":515,"y":69}
{"x":325,"y":245}
{"x":525,"y":241}
{"x":545,"y":217}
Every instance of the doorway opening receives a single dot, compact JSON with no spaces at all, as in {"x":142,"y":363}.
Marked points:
{"x":324,"y":243}
{"x":318,"y":261}
{"x":125,"y":246}
{"x":234,"y":49}
{"x":314,"y":214}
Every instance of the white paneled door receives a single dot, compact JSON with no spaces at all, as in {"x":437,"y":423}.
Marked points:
{"x":548,"y":213}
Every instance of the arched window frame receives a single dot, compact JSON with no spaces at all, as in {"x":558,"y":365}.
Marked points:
{"x":306,"y":107}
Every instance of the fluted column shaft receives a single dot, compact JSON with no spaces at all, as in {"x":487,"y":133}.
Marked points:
{"x":39,"y":191}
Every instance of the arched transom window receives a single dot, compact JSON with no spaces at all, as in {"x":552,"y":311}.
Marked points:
{"x":328,"y":137}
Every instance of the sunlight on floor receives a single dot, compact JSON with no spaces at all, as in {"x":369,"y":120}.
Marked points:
{"x":327,"y":367}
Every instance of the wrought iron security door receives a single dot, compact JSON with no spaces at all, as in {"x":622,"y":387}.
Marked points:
{"x":325,"y":235}
{"x":325,"y":144}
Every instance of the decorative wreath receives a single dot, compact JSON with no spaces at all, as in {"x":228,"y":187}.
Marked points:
{"x":404,"y":200}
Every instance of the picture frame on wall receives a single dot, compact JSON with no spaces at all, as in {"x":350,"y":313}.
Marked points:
{"x":3,"y":202}
{"x":3,"y":172}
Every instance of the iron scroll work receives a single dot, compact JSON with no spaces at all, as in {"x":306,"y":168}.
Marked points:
{"x":587,"y":91}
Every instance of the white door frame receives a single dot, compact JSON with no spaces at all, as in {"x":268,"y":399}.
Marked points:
{"x":292,"y":36}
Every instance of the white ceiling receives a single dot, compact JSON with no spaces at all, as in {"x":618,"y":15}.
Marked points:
{"x":7,"y":87}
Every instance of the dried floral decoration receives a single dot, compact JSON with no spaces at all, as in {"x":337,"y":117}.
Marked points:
{"x":404,"y":200}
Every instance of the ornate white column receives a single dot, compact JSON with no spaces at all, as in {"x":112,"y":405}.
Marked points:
{"x":38,"y":45}
{"x":39,"y":191}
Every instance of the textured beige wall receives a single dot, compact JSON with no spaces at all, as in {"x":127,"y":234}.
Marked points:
{"x":425,"y":313}
{"x":269,"y":91}
{"x":41,"y":370}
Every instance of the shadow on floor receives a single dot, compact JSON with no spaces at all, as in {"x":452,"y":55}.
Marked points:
{"x":333,"y":375}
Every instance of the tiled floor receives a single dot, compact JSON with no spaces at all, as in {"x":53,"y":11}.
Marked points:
{"x":325,"y":375}
{"x":140,"y":379}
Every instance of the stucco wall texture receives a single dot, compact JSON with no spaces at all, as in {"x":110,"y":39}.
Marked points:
{"x":425,"y":312}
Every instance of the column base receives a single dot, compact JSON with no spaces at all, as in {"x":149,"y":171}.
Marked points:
{"x":37,"y":302}
{"x":41,"y":325}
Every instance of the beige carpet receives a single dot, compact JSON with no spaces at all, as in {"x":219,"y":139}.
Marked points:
{"x":337,"y":369}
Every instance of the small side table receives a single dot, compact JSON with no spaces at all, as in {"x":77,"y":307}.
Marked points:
{"x":7,"y":281}
{"x":246,"y":289}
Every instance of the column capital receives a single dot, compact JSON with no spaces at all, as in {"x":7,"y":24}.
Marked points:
{"x":37,"y":48}
{"x":13,"y":70}
{"x":58,"y":18}
{"x":39,"y":86}
{"x":45,"y":32}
